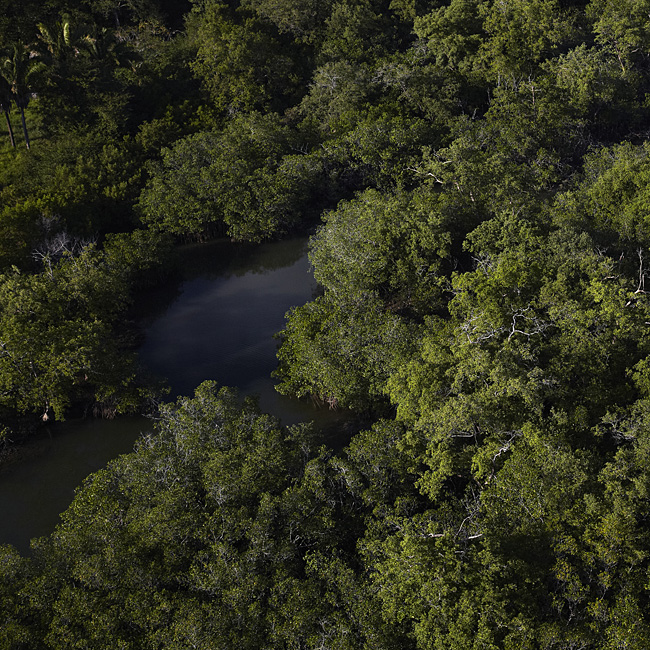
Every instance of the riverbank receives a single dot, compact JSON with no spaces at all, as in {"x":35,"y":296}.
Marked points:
{"x":215,"y":320}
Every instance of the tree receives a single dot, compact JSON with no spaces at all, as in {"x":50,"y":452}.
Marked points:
{"x":57,"y":342}
{"x":86,"y":185}
{"x":224,"y":519}
{"x":339,"y":91}
{"x":454,"y":34}
{"x":359,"y":32}
{"x":342,"y":351}
{"x":14,"y":576}
{"x":245,"y":181}
{"x":394,"y":246}
{"x":303,"y":19}
{"x":18,"y":68}
{"x":623,"y":29}
{"x":521,"y":34}
{"x":242,"y":63}
{"x":60,"y":40}
{"x":593,"y":84}
{"x":5,"y":105}
{"x":610,"y":200}
{"x":122,"y":11}
{"x":374,"y":149}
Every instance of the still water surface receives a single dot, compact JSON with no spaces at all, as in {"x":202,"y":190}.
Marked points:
{"x":221,"y":325}
{"x":217,"y":322}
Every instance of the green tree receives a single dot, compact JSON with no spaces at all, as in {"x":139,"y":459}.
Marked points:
{"x":245,"y":180}
{"x":623,"y":29}
{"x":339,"y":91}
{"x":302,"y":19}
{"x":594,"y":86}
{"x":241,"y":63}
{"x":359,"y":32}
{"x":17,"y":630}
{"x":57,"y":342}
{"x":225,"y":520}
{"x":122,"y":11}
{"x":60,"y":40}
{"x":454,"y":34}
{"x":5,"y":105}
{"x":342,"y":352}
{"x":374,"y":149}
{"x":87,"y":186}
{"x":19,"y":69}
{"x":610,"y":200}
{"x":394,"y":246}
{"x":521,"y":34}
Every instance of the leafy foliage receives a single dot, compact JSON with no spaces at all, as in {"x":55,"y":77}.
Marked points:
{"x":244,"y":180}
{"x":57,"y":341}
{"x":481,"y":170}
{"x":219,"y":517}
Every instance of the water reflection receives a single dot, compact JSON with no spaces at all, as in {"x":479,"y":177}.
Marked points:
{"x":221,"y":326}
{"x":35,"y":490}
{"x":222,"y":258}
{"x":216,"y":321}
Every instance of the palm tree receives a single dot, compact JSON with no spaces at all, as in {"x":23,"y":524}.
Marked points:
{"x":18,"y":68}
{"x":60,"y":41}
{"x":5,"y":106}
{"x":103,"y":44}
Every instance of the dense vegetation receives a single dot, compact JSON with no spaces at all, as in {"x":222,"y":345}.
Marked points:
{"x":480,"y":172}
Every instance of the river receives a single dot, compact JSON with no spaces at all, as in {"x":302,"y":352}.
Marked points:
{"x":216,"y":322}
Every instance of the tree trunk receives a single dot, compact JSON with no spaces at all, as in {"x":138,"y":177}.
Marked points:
{"x":22,"y":115}
{"x":11,"y":131}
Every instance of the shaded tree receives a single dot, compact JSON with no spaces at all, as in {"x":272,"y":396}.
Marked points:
{"x":19,"y":68}
{"x":6,"y":97}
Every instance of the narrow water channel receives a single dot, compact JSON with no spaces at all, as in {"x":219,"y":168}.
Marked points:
{"x":217,"y":322}
{"x":221,"y":323}
{"x":41,"y":485}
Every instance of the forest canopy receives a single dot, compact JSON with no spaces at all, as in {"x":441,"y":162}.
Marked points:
{"x":474,"y":178}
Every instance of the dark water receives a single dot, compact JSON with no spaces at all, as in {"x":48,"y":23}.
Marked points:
{"x":41,"y":485}
{"x":216,"y":323}
{"x":222,"y":322}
